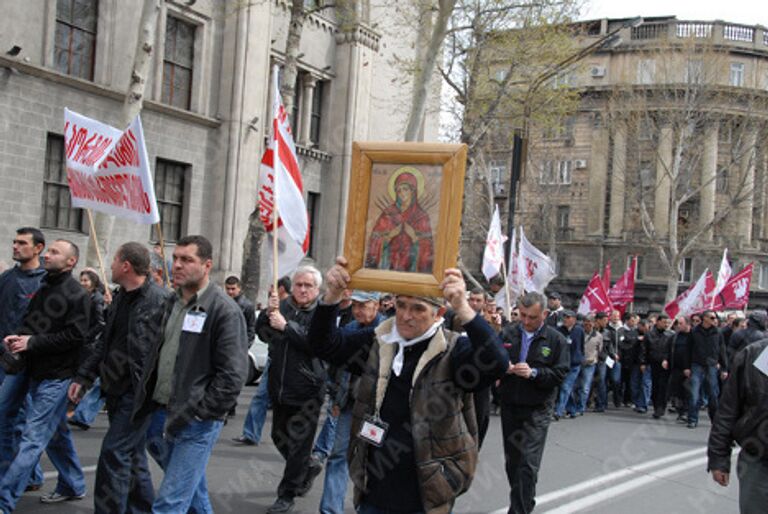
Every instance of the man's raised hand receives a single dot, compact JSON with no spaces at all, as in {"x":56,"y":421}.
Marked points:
{"x":336,"y":281}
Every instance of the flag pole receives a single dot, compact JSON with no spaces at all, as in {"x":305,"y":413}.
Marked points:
{"x":275,"y":166}
{"x":98,"y":250}
{"x":508,"y":307}
{"x":161,"y":240}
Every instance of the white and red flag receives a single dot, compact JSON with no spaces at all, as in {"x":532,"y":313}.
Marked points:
{"x":595,"y":297}
{"x":514,"y":281}
{"x":623,"y":291}
{"x":108,"y":170}
{"x":493,"y":256}
{"x":735,"y":293}
{"x":537,"y":268}
{"x":724,"y":275}
{"x":695,"y":299}
{"x":280,"y":187}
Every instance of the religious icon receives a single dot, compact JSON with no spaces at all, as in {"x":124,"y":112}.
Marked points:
{"x":404,"y":215}
{"x":401,"y":237}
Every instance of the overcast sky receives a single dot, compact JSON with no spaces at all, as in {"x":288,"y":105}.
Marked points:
{"x":752,"y":12}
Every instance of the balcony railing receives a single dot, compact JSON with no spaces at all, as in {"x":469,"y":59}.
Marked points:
{"x":650,"y":31}
{"x":694,"y":29}
{"x":739,"y":33}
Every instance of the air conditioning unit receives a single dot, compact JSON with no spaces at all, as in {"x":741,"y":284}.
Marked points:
{"x":597,"y":71}
{"x":580,"y":164}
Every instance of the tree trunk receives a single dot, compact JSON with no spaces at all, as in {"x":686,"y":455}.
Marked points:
{"x":290,"y":69}
{"x":426,"y":68}
{"x":134,"y":99}
{"x":672,"y":283}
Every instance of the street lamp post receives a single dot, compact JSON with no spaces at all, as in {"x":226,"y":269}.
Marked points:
{"x":520,"y":140}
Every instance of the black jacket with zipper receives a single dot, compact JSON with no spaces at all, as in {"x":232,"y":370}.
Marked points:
{"x":210,"y":369}
{"x":58,"y":318}
{"x":296,"y":375}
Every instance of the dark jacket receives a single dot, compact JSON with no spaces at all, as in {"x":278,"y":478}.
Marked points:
{"x":742,"y":415}
{"x":631,"y":347}
{"x":58,"y":318}
{"x":741,"y":338}
{"x":575,"y":340}
{"x":611,"y":338}
{"x":659,"y":346}
{"x":548,"y":354}
{"x":437,"y":440}
{"x":249,"y":312}
{"x":707,"y":347}
{"x":145,"y":323}
{"x":96,"y":318}
{"x":211,"y":367}
{"x":17,"y":288}
{"x":680,"y":351}
{"x":296,"y":375}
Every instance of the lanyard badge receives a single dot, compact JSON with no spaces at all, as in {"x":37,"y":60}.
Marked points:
{"x":374,"y":430}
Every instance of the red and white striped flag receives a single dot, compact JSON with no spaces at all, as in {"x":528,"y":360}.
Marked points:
{"x":493,"y":256}
{"x":280,"y":187}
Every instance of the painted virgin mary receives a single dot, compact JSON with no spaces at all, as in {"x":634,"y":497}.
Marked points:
{"x":401,"y":239}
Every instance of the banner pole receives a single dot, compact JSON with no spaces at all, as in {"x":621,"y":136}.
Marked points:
{"x":161,"y":240}
{"x":98,"y":250}
{"x":276,"y":166}
{"x":508,"y":307}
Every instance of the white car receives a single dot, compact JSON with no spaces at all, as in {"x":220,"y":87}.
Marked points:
{"x":257,"y":359}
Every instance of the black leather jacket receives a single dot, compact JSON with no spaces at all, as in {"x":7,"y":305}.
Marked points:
{"x":659,"y":345}
{"x":144,"y":329}
{"x":211,"y":367}
{"x":741,"y":338}
{"x":742,"y":415}
{"x":296,"y":375}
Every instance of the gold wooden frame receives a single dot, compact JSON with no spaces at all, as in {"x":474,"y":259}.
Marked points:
{"x":452,"y":158}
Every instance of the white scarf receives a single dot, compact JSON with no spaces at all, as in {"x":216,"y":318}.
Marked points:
{"x":394,"y":337}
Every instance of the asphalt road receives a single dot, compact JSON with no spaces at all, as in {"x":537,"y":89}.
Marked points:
{"x":617,"y":461}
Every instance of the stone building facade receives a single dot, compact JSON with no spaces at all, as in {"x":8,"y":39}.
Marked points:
{"x":206,"y":114}
{"x":579,"y":197}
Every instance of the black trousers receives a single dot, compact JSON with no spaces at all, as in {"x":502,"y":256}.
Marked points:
{"x":659,"y":386}
{"x":482,"y":411}
{"x":525,"y":431}
{"x":293,"y":432}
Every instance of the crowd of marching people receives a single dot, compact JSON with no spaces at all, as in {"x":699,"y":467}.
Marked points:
{"x":407,"y":383}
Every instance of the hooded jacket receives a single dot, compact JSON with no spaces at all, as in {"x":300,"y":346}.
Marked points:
{"x":17,"y":288}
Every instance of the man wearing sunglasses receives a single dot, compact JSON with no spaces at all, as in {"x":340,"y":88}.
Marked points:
{"x":707,"y":358}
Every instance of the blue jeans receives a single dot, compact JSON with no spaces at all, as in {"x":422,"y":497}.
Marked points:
{"x":637,"y":384}
{"x":90,"y":405}
{"x":336,"y":470}
{"x":706,"y":376}
{"x":578,"y":402}
{"x":45,"y":428}
{"x":566,"y":388}
{"x":257,"y":412}
{"x":185,"y":458}
{"x":325,"y":440}
{"x":13,"y":392}
{"x":123,"y":483}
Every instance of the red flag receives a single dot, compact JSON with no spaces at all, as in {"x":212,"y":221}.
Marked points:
{"x":695,"y":299}
{"x":607,"y":276}
{"x":595,"y":298}
{"x":623,"y":292}
{"x":735,"y":294}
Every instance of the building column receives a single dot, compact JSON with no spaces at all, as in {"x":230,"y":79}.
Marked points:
{"x":598,"y":179}
{"x":747,"y":191}
{"x":308,"y":83}
{"x":618,"y":179}
{"x":662,"y":192}
{"x":708,"y":179}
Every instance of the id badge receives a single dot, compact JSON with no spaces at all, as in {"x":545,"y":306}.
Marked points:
{"x":374,"y":430}
{"x":193,"y":322}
